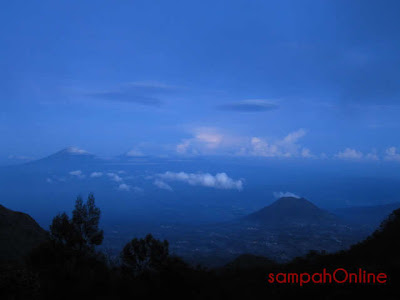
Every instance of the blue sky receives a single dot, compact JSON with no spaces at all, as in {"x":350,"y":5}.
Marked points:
{"x":304,"y":79}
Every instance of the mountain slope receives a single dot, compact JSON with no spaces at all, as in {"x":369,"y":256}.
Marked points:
{"x":19,"y":233}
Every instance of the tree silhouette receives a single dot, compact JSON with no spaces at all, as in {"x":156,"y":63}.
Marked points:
{"x":148,"y":254}
{"x":62,"y":231}
{"x":82,"y":231}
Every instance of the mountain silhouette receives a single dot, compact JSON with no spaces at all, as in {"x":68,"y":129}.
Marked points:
{"x":288,"y":211}
{"x":70,"y":153}
{"x":66,"y":158}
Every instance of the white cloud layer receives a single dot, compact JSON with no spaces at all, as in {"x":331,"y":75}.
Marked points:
{"x":162,"y":185}
{"x":77,"y":173}
{"x":96,"y":174}
{"x":278,"y":195}
{"x":124,"y":187}
{"x":218,"y":181}
{"x":392,"y":154}
{"x":207,"y":140}
{"x":353,"y":154}
{"x":286,"y":147}
{"x":211,"y":141}
{"x":120,"y":182}
{"x":114,"y":177}
{"x":349,"y":153}
{"x":204,"y":139}
{"x":76,"y":150}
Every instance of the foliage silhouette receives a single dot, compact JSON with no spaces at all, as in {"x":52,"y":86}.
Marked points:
{"x":82,"y":231}
{"x":148,"y":254}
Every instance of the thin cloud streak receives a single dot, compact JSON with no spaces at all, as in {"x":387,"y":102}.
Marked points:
{"x":252,"y":105}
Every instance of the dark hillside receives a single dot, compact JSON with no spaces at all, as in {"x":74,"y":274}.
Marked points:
{"x":19,"y":234}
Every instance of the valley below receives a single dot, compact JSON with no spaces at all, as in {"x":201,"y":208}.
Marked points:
{"x":213,"y":245}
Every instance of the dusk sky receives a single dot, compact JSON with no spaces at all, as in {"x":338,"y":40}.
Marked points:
{"x":303,"y":79}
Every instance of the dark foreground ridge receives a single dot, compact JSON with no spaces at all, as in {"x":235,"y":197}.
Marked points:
{"x":19,"y":234}
{"x":68,"y":266}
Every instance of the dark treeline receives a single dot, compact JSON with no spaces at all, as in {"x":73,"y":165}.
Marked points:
{"x":68,"y":266}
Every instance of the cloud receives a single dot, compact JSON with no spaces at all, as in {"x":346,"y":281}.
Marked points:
{"x":294,"y":136}
{"x":218,"y":181}
{"x":278,"y":195}
{"x":206,"y":140}
{"x":305,"y":152}
{"x":183,"y":147}
{"x":96,"y":174}
{"x":76,"y":150}
{"x":392,"y":154}
{"x":137,"y":189}
{"x":121,"y":185}
{"x":260,"y":147}
{"x":251,"y":105}
{"x":143,"y":93}
{"x":372,"y":156}
{"x":211,"y":141}
{"x":114,"y":177}
{"x":353,"y":154}
{"x":77,"y":173}
{"x":286,"y":147}
{"x":124,"y":187}
{"x":162,"y":185}
{"x":349,"y":153}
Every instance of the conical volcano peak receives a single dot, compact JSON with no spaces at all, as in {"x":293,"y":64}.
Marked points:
{"x":289,"y":210}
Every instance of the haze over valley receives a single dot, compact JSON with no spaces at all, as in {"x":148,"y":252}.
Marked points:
{"x":211,"y":209}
